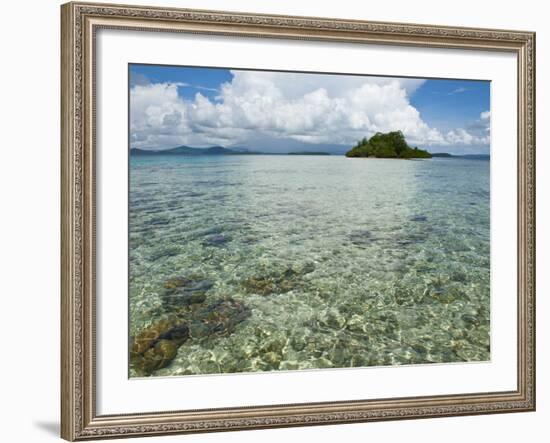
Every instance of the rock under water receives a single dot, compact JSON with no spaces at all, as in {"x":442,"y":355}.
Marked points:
{"x":156,"y":346}
{"x":216,"y":240}
{"x":278,"y":282}
{"x":185,"y":291}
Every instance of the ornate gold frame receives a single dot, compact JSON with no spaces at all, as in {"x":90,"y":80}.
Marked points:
{"x":79,"y":22}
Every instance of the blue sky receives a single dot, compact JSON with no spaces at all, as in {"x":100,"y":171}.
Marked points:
{"x":203,"y":80}
{"x":448,"y":104}
{"x":280,"y":111}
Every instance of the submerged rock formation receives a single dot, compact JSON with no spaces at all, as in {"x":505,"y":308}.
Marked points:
{"x":219,"y":317}
{"x":156,"y":346}
{"x":277,"y":283}
{"x":185,"y":291}
{"x":190,"y":317}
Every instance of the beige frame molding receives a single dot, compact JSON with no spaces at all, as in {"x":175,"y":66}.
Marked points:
{"x":79,"y":22}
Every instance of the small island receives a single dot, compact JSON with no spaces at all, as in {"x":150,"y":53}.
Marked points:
{"x":390,"y":145}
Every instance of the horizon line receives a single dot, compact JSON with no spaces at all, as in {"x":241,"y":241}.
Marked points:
{"x":250,"y":151}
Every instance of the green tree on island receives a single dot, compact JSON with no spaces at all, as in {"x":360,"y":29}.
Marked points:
{"x":389,"y":145}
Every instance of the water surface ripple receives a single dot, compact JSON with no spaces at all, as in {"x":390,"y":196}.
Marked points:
{"x":342,"y":262}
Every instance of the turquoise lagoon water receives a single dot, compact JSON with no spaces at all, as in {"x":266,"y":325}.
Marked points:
{"x":341,"y":262}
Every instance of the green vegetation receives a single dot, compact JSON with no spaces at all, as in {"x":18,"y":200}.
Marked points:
{"x":390,"y":145}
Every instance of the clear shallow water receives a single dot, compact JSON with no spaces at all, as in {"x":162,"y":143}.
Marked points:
{"x":342,"y":262}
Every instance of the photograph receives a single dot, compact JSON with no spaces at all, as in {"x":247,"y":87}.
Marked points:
{"x":281,"y":218}
{"x":287,"y":221}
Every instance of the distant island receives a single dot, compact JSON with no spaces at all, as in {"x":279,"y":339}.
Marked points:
{"x":463,"y":156}
{"x":212,"y":150}
{"x":389,"y":145}
{"x":308,"y":153}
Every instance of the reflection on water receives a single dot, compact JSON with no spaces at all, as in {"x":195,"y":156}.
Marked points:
{"x":337,"y":262}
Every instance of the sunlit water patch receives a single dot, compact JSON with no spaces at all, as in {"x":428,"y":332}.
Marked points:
{"x":259,"y":263}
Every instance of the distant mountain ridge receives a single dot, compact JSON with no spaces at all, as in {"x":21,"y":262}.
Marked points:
{"x":212,"y":150}
{"x":187,"y":150}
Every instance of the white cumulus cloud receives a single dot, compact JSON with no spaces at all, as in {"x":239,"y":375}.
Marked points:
{"x":303,"y":108}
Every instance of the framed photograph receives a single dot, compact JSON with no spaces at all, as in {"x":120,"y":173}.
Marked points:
{"x":283,"y":221}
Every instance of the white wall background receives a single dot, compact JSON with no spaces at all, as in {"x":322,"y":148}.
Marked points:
{"x":29,"y":219}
